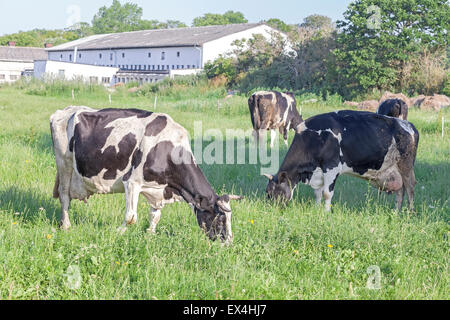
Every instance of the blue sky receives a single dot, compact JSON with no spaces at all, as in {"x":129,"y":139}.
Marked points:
{"x":22,"y":15}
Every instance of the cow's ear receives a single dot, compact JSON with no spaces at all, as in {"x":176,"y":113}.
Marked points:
{"x":224,"y":203}
{"x":282,"y":177}
{"x":268,"y":176}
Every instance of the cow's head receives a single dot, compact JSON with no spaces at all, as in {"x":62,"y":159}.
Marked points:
{"x":279,"y":187}
{"x":215,"y":219}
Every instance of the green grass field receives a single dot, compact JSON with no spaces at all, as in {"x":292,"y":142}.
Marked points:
{"x":296,"y":252}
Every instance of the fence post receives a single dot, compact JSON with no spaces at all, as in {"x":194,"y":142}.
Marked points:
{"x":443,"y":126}
{"x":156,"y":100}
{"x":110,"y":99}
{"x":73,"y":95}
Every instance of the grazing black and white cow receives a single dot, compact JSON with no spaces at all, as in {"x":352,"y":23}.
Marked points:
{"x":396,"y":108}
{"x":373,"y":147}
{"x":272,"y":110}
{"x":133,"y":151}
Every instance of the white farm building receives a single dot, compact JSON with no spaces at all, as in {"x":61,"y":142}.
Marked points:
{"x":18,"y":61}
{"x":149,"y":55}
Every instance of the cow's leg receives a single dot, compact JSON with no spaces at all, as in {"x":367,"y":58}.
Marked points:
{"x":329,"y":180}
{"x":273,"y":135}
{"x":286,"y":135}
{"x":64,"y":197}
{"x":409,"y":183}
{"x":255,"y":134}
{"x":155,"y":216}
{"x":261,"y":135}
{"x":132,"y":191}
{"x":399,"y":194}
{"x":318,"y":193}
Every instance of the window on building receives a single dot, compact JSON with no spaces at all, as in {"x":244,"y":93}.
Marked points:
{"x":123,"y":54}
{"x":162,"y":67}
{"x":61,"y":57}
{"x":70,"y":57}
{"x":13,"y":77}
{"x":178,"y":54}
{"x":153,"y":67}
{"x":2,"y":77}
{"x":149,"y":54}
{"x":163,"y":55}
{"x":93,"y":79}
{"x":110,"y":56}
{"x":182,"y":66}
{"x":139,"y":67}
{"x":188,"y":66}
{"x":79,"y":55}
{"x":106,"y":79}
{"x":173,"y":66}
{"x":100,"y":55}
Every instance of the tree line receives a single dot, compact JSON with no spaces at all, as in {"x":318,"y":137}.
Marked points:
{"x":380,"y":45}
{"x":112,"y":19}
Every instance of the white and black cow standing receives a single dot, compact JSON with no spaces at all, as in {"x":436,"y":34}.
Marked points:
{"x":377,"y":148}
{"x":396,"y":108}
{"x":272,"y":110}
{"x":133,"y":151}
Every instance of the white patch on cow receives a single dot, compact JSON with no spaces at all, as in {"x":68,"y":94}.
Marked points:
{"x":301,"y":127}
{"x":121,"y":128}
{"x":317,"y":179}
{"x":406,"y":126}
{"x":337,"y":136}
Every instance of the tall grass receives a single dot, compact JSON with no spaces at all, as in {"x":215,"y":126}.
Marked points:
{"x":293,"y":252}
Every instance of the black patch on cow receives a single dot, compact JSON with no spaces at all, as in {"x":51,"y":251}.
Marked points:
{"x":71,"y":145}
{"x":156,"y":126}
{"x":135,"y":162}
{"x":90,"y":136}
{"x":333,"y":184}
{"x":184,"y":178}
{"x":394,"y":108}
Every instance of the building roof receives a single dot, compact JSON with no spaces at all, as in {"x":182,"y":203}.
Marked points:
{"x":25,"y":54}
{"x":179,"y":37}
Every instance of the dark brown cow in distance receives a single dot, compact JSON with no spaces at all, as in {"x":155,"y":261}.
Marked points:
{"x":396,"y":108}
{"x":272,"y":110}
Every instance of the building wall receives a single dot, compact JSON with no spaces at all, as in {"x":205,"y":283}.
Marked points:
{"x":213,"y":49}
{"x":11,"y":71}
{"x":72,"y":71}
{"x":135,"y":59}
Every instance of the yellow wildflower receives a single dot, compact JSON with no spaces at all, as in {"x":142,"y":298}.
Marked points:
{"x":49,"y":236}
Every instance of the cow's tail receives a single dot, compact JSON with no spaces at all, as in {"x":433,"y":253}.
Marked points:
{"x":254,"y":111}
{"x":56,"y":187}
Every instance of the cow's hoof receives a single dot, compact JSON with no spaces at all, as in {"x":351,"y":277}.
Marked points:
{"x":121,"y":230}
{"x":64,"y":226}
{"x":150,"y":231}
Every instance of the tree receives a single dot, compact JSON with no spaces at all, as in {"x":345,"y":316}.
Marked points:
{"x":317,"y":21}
{"x":117,"y":18}
{"x":377,"y":37}
{"x":229,"y":17}
{"x":81,"y":29}
{"x":279,"y":24}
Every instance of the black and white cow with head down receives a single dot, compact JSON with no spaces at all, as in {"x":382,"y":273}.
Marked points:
{"x":373,"y":147}
{"x":133,"y":152}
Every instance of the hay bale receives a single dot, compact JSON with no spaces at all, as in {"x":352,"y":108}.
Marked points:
{"x":435,"y":102}
{"x":351,"y":104}
{"x":369,"y":105}
{"x":389,"y":95}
